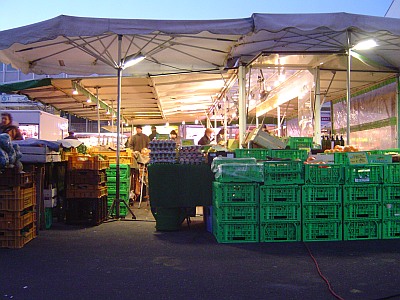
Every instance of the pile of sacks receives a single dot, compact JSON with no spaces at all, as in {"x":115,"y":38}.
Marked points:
{"x":10,"y":154}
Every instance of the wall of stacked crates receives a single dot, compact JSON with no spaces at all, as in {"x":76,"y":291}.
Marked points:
{"x":124,"y":188}
{"x":286,"y":201}
{"x":86,"y":190}
{"x":17,"y":208}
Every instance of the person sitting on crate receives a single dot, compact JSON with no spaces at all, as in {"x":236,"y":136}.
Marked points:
{"x":8,"y":127}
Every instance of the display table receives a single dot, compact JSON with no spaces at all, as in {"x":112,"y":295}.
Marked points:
{"x":173,"y":188}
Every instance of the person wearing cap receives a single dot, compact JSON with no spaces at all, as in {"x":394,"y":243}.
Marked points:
{"x":206,"y":139}
{"x":139,"y":140}
{"x":154,"y":133}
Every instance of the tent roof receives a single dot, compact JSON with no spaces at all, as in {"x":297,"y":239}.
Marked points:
{"x":197,"y":51}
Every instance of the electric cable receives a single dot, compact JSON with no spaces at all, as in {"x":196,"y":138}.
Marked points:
{"x":321,"y":275}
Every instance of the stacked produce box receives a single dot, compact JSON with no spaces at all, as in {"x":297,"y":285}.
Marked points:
{"x":86,"y":190}
{"x":391,"y":202}
{"x":124,"y":188}
{"x":17,"y":208}
{"x":322,"y":202}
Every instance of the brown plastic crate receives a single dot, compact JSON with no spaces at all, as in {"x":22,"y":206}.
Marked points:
{"x":87,"y":163}
{"x":17,"y":198}
{"x":16,"y":220}
{"x":17,"y":238}
{"x":86,"y":177}
{"x":86,"y":191}
{"x":10,"y":177}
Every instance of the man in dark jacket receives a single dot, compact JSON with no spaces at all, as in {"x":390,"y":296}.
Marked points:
{"x":8,"y":127}
{"x":139,"y":140}
{"x":206,"y":139}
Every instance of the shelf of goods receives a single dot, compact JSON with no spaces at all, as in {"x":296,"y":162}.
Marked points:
{"x":17,"y":208}
{"x":299,"y":201}
{"x":86,"y":190}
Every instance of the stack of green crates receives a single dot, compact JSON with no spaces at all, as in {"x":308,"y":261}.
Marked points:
{"x":322,"y":202}
{"x":257,"y":153}
{"x":362,"y":204}
{"x":124,"y":187}
{"x":280,"y":206}
{"x":235,"y":212}
{"x":391,"y":202}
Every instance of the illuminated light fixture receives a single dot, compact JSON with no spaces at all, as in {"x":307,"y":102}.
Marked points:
{"x":196,"y":121}
{"x":75,"y":92}
{"x":132,"y":60}
{"x":166,"y":124}
{"x":183,"y":122}
{"x":89,"y":100}
{"x":365,"y":45}
{"x":234,"y":115}
{"x":108,"y":112}
{"x":269,"y":88}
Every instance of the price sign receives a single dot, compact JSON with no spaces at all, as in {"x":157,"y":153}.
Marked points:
{"x":357,"y":158}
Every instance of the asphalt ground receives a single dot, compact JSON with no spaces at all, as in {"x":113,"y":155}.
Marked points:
{"x":128,"y":259}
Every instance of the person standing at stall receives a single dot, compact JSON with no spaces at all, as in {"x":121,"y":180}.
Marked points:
{"x":206,"y":139}
{"x":221,"y":137}
{"x":139,"y":140}
{"x":154,"y":133}
{"x":8,"y":127}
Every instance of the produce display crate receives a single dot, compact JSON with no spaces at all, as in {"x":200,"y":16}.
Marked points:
{"x":340,"y":158}
{"x":362,"y":230}
{"x":322,"y":211}
{"x":362,"y":192}
{"x":322,"y":231}
{"x":11,"y":220}
{"x":17,"y":198}
{"x":361,"y":174}
{"x":391,"y":173}
{"x":391,"y":210}
{"x":257,"y":153}
{"x":123,"y":210}
{"x":220,"y":160}
{"x":229,"y":193}
{"x":362,"y":210}
{"x":86,"y":191}
{"x":123,"y":195}
{"x":391,"y":229}
{"x":328,"y":194}
{"x":236,"y":213}
{"x":86,"y":176}
{"x":124,"y":187}
{"x":391,"y":192}
{"x":283,"y":231}
{"x":124,"y":171}
{"x":16,"y":239}
{"x":87,"y":163}
{"x":324,"y":174}
{"x":240,"y":173}
{"x":11,"y":178}
{"x":283,"y":172}
{"x":87,"y":211}
{"x":236,"y":233}
{"x":290,"y":154}
{"x":300,"y":142}
{"x":280,"y":212}
{"x":280,"y":194}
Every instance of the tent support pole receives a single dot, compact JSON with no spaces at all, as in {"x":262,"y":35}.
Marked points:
{"x":98,"y":114}
{"x":317,"y":107}
{"x":348,"y":89}
{"x":242,"y":104}
{"x":398,"y":111}
{"x":117,"y":171}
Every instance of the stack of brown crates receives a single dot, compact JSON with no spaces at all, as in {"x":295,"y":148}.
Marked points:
{"x":86,"y":190}
{"x":17,"y":208}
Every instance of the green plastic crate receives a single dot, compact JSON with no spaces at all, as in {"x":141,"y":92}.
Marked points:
{"x":121,"y":167}
{"x":362,"y":210}
{"x":124,"y":188}
{"x":391,"y":192}
{"x":391,"y":173}
{"x":391,"y":229}
{"x":361,"y":174}
{"x":112,"y":196}
{"x":322,"y":211}
{"x":392,"y":150}
{"x":236,"y":213}
{"x":279,"y":194}
{"x":257,"y":153}
{"x":240,"y":173}
{"x":48,"y":217}
{"x":362,"y":192}
{"x":280,"y":212}
{"x":124,"y":173}
{"x":290,"y":154}
{"x":229,"y":193}
{"x":328,"y":194}
{"x":283,"y":231}
{"x":123,"y":210}
{"x":324,"y":174}
{"x":340,"y":158}
{"x":322,"y":231}
{"x":300,"y":142}
{"x":391,"y":210}
{"x":236,"y":233}
{"x":283,"y":172}
{"x":362,"y":230}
